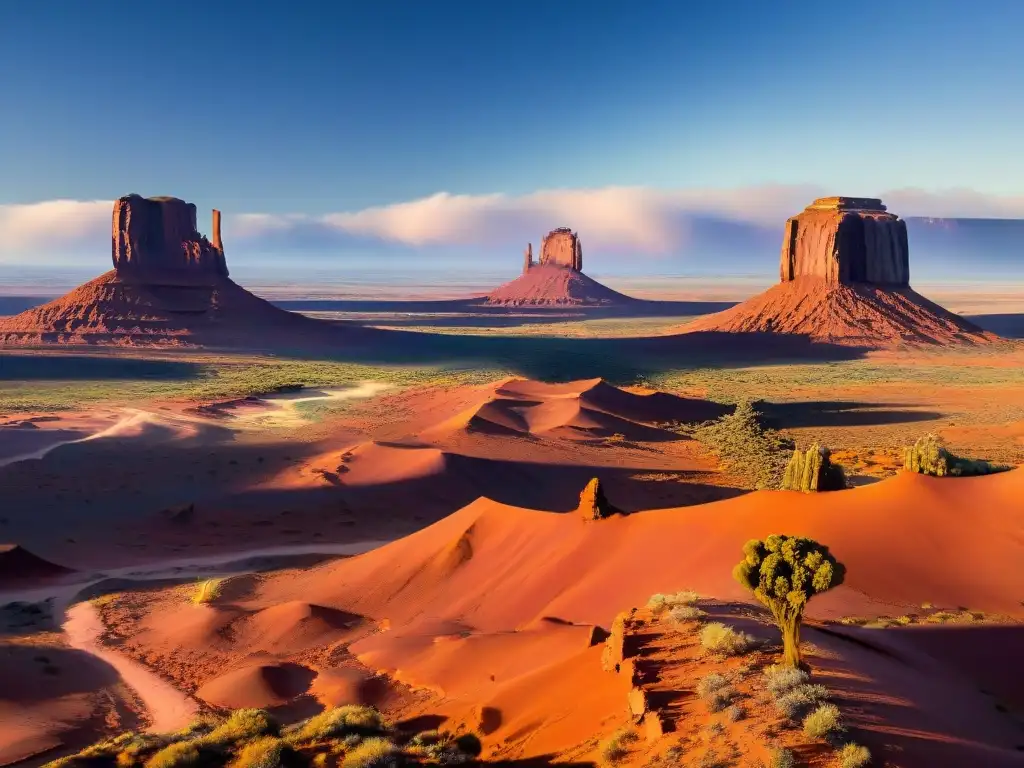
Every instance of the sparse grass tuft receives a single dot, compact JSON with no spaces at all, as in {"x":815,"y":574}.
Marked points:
{"x":721,"y":639}
{"x":614,"y":749}
{"x":207,"y":591}
{"x":735,"y":713}
{"x":350,"y":719}
{"x":177,"y":755}
{"x":797,"y":701}
{"x":854,"y":756}
{"x":825,"y":722}
{"x":376,"y":752}
{"x":242,"y":725}
{"x":264,"y":752}
{"x":781,"y":758}
{"x":780,"y":679}
{"x":682,"y":614}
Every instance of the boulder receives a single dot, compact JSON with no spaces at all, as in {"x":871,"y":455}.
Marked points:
{"x":846,"y":240}
{"x":562,"y":248}
{"x":154,"y":240}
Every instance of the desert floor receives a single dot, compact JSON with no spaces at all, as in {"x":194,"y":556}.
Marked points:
{"x":126,"y":476}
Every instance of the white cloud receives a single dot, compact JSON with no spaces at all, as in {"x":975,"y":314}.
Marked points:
{"x":638,"y":219}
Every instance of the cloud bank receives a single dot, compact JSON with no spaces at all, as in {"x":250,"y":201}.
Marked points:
{"x":636,"y":220}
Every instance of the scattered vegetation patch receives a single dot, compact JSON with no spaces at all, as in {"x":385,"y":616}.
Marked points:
{"x":659,"y":603}
{"x":854,"y":756}
{"x":825,"y":722}
{"x":207,"y":591}
{"x":781,"y":758}
{"x":719,"y":638}
{"x":813,"y":471}
{"x":681,"y":614}
{"x":930,"y":456}
{"x":748,"y":450}
{"x":615,"y":747}
{"x":349,"y":737}
{"x":716,"y":692}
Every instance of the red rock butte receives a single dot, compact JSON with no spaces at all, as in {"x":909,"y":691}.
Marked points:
{"x":844,"y":272}
{"x":557,"y":279}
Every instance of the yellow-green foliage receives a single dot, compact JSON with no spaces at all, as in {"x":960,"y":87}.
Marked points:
{"x":854,"y":756}
{"x":812,"y":471}
{"x":339,"y":722}
{"x":183,"y":753}
{"x":614,"y":748}
{"x":784,"y":573}
{"x":745,"y":447}
{"x":371,"y":753}
{"x":716,"y":637}
{"x":264,"y":752}
{"x":659,"y":602}
{"x":824,"y":722}
{"x":242,"y":725}
{"x":929,"y":456}
{"x":207,"y":591}
{"x":781,"y":758}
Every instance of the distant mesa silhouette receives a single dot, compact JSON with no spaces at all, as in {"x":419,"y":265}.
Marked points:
{"x":557,"y":279}
{"x":169,"y":287}
{"x":844,"y":272}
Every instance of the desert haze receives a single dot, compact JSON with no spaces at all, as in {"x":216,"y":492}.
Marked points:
{"x":508,"y":385}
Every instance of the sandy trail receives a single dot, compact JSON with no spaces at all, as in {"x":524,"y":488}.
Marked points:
{"x":169,"y":709}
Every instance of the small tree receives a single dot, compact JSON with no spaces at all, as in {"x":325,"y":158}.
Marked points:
{"x":813,"y":470}
{"x":784,"y":572}
{"x":930,"y":456}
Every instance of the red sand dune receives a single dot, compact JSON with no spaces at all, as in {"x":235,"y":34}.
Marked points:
{"x":552,"y":285}
{"x":858,"y":315}
{"x":110,"y":310}
{"x":18,"y":566}
{"x":265,"y":685}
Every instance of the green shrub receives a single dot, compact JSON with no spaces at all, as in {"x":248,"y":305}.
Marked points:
{"x":756,"y":454}
{"x":854,"y":756}
{"x":784,"y":573}
{"x":350,"y":719}
{"x":929,"y":456}
{"x":264,"y":752}
{"x":781,"y":758}
{"x":175,"y":756}
{"x":242,"y":725}
{"x":813,"y":471}
{"x":719,"y":638}
{"x":372,"y":753}
{"x":824,"y":722}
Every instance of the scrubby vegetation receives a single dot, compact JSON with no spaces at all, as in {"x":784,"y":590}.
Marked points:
{"x":349,"y":736}
{"x":716,"y":692}
{"x":784,"y":573}
{"x":854,"y":756}
{"x":812,"y":470}
{"x":825,"y":722}
{"x":930,"y":456}
{"x":745,"y":447}
{"x":719,"y":638}
{"x":614,"y":748}
{"x":781,"y":758}
{"x":207,"y":591}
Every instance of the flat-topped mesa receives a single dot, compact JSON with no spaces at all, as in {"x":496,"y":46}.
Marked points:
{"x":561,"y":247}
{"x":155,"y":240}
{"x":846,"y":240}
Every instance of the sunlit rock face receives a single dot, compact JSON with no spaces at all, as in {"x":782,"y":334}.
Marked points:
{"x":155,"y":240}
{"x":561,"y":247}
{"x":846,"y":240}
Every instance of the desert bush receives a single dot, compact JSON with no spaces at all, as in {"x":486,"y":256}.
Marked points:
{"x":656,"y":603}
{"x":813,"y":471}
{"x":735,"y":713}
{"x":757,"y":454}
{"x":375,"y":752}
{"x":614,"y":749}
{"x":207,"y":591}
{"x":779,"y":679}
{"x":182,"y":753}
{"x":799,"y":700}
{"x":710,"y":683}
{"x":930,"y":456}
{"x":719,"y":638}
{"x":242,"y":725}
{"x":784,"y":573}
{"x":854,"y":756}
{"x":824,"y":722}
{"x":347,"y":720}
{"x":264,"y":752}
{"x":659,"y":602}
{"x":781,"y":758}
{"x":716,"y":692}
{"x":682,"y":614}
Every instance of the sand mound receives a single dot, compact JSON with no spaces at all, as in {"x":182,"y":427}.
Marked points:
{"x":517,"y":565}
{"x":19,"y":566}
{"x":337,"y":687}
{"x":112,"y":310}
{"x":291,"y":627}
{"x":377,"y":463}
{"x":552,"y":285}
{"x":258,"y":685}
{"x":192,"y":626}
{"x":857,"y":315}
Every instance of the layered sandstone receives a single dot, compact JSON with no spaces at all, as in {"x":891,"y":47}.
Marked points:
{"x":155,"y":240}
{"x":846,"y":240}
{"x":561,"y":247}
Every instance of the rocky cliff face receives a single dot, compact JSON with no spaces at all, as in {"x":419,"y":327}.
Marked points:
{"x":561,"y":247}
{"x":155,"y":240}
{"x":846,"y":240}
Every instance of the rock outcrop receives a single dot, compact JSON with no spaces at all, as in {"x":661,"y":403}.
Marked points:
{"x":846,"y":240}
{"x":154,"y":240}
{"x":528,"y":258}
{"x":594,"y":504}
{"x":561,"y":247}
{"x":845,"y":279}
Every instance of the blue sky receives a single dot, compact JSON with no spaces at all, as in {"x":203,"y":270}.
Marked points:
{"x":317,"y":108}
